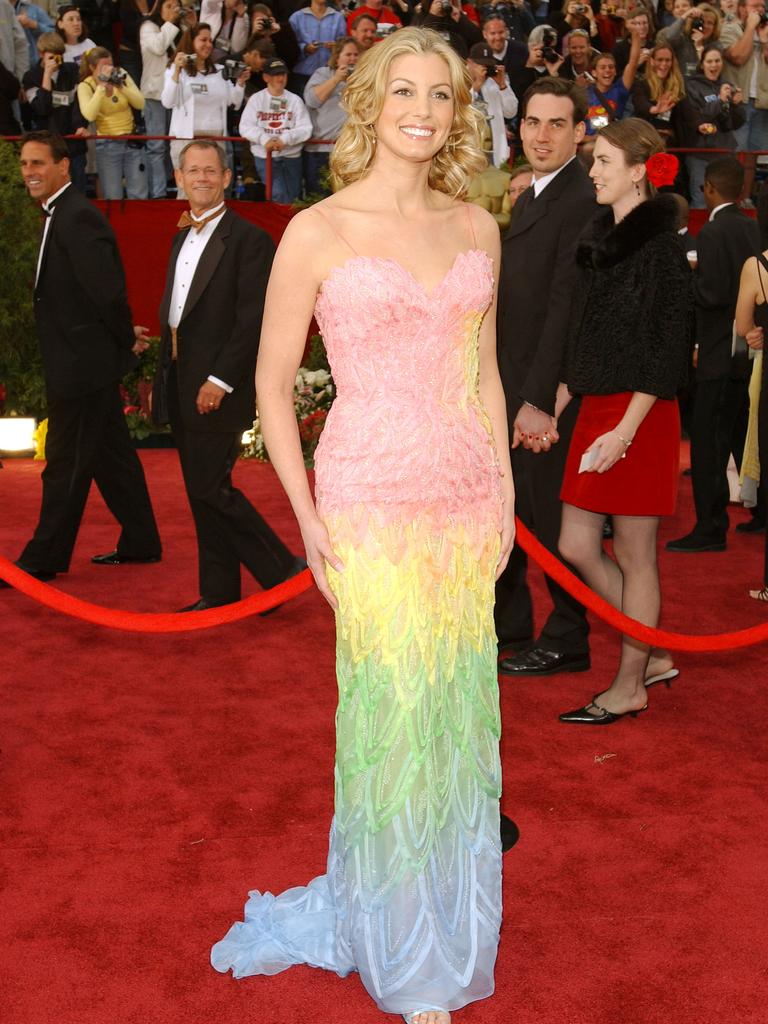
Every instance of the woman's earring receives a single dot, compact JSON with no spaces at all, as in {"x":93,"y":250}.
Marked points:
{"x":637,"y":189}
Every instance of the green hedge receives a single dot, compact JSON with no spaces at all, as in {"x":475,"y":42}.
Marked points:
{"x":21,"y":371}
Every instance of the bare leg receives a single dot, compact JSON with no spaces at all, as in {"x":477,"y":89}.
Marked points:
{"x":632,"y":585}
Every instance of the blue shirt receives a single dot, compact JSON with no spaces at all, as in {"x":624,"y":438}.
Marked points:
{"x":44,"y":24}
{"x":311,"y":29}
{"x":616,"y":96}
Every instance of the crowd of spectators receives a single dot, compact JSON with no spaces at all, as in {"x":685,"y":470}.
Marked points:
{"x":275,"y":75}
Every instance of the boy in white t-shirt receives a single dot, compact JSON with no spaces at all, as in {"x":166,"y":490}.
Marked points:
{"x":276,"y":121}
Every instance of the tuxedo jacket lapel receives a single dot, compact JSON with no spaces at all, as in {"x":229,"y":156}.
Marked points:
{"x":165,"y":304}
{"x":212,"y":253}
{"x":537,"y":208}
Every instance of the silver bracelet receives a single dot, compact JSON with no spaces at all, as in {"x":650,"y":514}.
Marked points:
{"x":623,"y":440}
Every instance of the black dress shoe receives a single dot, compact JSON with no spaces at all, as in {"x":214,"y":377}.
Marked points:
{"x":583,"y":716}
{"x":37,"y":574}
{"x":754,"y":525}
{"x":692,"y":544}
{"x":201,"y":605}
{"x":514,"y":645}
{"x":115,"y":558}
{"x":538,"y":662}
{"x":510,"y":833}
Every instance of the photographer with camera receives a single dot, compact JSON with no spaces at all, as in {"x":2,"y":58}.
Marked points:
{"x":109,"y":96}
{"x":575,"y":14}
{"x":716,"y":111}
{"x":322,"y":97}
{"x":581,"y":55}
{"x":317,"y":28}
{"x":276,"y":121}
{"x":745,"y":46}
{"x":50,"y":90}
{"x":688,"y":36}
{"x":157,"y":38}
{"x":449,"y":21}
{"x":278,"y":33}
{"x":230,"y":26}
{"x":198,"y":92}
{"x":493,"y":97}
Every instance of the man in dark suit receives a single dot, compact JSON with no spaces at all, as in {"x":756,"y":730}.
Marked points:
{"x":87,"y":344}
{"x":210,"y":317}
{"x":538,"y":274}
{"x":718,"y":421}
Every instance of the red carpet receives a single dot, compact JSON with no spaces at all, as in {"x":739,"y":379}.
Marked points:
{"x":148,"y":782}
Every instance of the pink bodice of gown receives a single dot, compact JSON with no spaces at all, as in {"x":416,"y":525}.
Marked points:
{"x":407,"y":429}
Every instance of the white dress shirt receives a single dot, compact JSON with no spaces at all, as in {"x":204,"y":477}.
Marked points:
{"x":717,"y":210}
{"x":47,"y":206}
{"x":186,"y":264}
{"x":539,"y":184}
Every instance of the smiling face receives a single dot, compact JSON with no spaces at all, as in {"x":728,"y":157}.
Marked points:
{"x":681,"y":7}
{"x":203,"y":44}
{"x":364,"y":33}
{"x":614,"y":180}
{"x":712,"y":65}
{"x":661,"y":62}
{"x":578,"y":48}
{"x":71,"y":25}
{"x":203,"y":178}
{"x":495,"y":33}
{"x":605,"y":73}
{"x":550,"y":137}
{"x":42,"y":175}
{"x":169,"y":10}
{"x":417,"y":113}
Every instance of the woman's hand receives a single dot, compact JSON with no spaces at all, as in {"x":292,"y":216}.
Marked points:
{"x":755,"y":339}
{"x":610,"y":448}
{"x":507,"y":534}
{"x":319,"y":551}
{"x":244,"y":77}
{"x":725,"y":93}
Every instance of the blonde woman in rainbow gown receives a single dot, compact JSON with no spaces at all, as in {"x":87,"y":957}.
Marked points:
{"x":413,"y":521}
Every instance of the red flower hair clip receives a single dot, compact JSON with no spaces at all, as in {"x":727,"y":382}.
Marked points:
{"x":661,"y":169}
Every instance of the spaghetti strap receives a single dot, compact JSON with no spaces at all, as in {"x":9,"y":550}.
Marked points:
{"x":336,"y":231}
{"x":761,"y":260}
{"x":471,"y":225}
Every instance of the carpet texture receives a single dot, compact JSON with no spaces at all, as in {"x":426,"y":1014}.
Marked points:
{"x":148,"y":782}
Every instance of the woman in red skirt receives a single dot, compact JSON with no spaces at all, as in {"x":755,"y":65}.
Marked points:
{"x":627,"y":359}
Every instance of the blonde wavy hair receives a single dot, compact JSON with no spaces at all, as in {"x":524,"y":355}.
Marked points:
{"x":460,"y":158}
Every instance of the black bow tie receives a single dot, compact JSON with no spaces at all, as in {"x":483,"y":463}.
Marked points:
{"x":48,"y":210}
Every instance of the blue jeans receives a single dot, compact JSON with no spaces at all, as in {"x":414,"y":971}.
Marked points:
{"x":753,"y":134}
{"x":157,"y":119}
{"x":116,"y":160}
{"x":314,"y":164}
{"x":286,"y":177}
{"x":697,"y":167}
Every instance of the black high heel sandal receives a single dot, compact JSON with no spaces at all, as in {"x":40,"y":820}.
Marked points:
{"x":582,"y":716}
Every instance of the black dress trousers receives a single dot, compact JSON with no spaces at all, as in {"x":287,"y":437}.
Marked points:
{"x":230,"y":532}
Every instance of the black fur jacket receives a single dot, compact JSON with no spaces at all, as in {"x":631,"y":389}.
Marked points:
{"x":632,"y":318}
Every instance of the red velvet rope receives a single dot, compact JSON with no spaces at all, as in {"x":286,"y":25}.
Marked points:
{"x":143,"y":622}
{"x":631,"y":627}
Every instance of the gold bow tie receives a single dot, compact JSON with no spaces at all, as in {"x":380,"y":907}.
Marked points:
{"x":186,"y":220}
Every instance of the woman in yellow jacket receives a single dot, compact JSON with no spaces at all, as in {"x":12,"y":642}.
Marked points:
{"x":109,"y":97}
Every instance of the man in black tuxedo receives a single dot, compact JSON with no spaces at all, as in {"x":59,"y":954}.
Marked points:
{"x":718,"y":420}
{"x":87,"y":344}
{"x":538,"y":274}
{"x":210,"y":318}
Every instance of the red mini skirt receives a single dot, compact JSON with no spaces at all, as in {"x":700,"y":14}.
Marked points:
{"x":643,"y":484}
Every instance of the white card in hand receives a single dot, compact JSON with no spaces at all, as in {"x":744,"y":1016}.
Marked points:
{"x":588,"y":460}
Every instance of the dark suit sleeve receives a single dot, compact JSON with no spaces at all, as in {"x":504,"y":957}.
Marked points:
{"x":234,"y":360}
{"x":540,"y":386}
{"x":713,"y":284}
{"x":95,"y":262}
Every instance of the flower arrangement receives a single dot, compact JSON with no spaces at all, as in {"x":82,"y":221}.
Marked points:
{"x":313,"y":395}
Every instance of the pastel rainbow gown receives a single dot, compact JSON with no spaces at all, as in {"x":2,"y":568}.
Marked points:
{"x":408,"y":485}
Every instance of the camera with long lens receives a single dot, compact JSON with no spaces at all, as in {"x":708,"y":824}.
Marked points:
{"x":446,"y":7}
{"x":549,"y":53}
{"x":763,"y":20}
{"x":116,"y":77}
{"x":697,"y":24}
{"x":232,"y":70}
{"x":263,"y":24}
